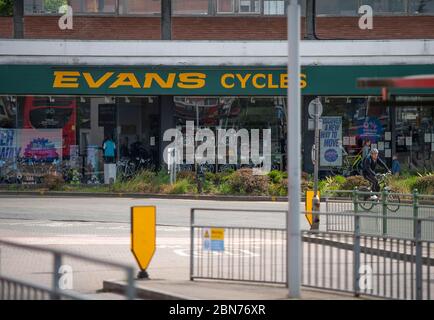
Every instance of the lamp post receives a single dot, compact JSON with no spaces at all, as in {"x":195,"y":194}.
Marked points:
{"x":293,"y":149}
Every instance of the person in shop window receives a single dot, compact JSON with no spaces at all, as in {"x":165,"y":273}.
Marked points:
{"x":109,"y":149}
{"x":396,"y":166}
{"x":366,"y":149}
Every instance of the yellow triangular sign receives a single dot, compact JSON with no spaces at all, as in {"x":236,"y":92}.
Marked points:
{"x":206,"y":234}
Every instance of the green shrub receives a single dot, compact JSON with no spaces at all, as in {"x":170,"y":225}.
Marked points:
{"x":182,"y":186}
{"x":224,"y":188}
{"x":276,"y":176}
{"x":53,"y":181}
{"x":424,"y":184}
{"x":188,"y":175}
{"x":279,"y":189}
{"x":402,"y":184}
{"x":354,"y":182}
{"x":244,"y":181}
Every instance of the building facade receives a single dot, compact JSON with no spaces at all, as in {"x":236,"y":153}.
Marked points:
{"x":112,"y":75}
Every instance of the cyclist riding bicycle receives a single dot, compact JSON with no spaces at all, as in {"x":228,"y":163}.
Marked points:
{"x":369,"y":165}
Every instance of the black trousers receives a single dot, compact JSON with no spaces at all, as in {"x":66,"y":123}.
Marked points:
{"x":375,"y":186}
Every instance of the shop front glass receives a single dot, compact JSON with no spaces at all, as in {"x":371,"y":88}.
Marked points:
{"x":237,"y":113}
{"x":65,"y":136}
{"x":347,"y":123}
{"x":415,"y":132}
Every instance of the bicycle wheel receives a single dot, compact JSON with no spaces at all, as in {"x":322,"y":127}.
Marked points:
{"x":364,"y":201}
{"x":393,"y":201}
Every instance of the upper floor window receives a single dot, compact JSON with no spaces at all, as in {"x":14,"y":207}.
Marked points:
{"x":225,"y":6}
{"x":380,"y":7}
{"x":190,"y":7}
{"x":337,"y":7}
{"x":386,"y":6}
{"x":144,"y":7}
{"x":249,"y":6}
{"x":273,"y":7}
{"x":78,"y":6}
{"x":421,"y":6}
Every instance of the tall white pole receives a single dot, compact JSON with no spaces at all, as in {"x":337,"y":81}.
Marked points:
{"x":294,"y":152}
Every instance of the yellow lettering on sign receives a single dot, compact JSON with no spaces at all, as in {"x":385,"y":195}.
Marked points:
{"x":243,"y":80}
{"x":255,"y":80}
{"x":66,"y":79}
{"x":303,"y":81}
{"x":165,"y":84}
{"x":192,"y":80}
{"x":224,"y":83}
{"x":284,"y":80}
{"x":271,"y":85}
{"x":126,"y":79}
{"x":96,"y":84}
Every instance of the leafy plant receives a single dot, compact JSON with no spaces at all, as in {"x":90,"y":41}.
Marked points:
{"x":6,"y":7}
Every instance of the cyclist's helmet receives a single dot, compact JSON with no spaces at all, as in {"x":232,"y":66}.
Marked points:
{"x":374,"y":150}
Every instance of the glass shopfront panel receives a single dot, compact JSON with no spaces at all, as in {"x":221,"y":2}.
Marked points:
{"x":415,"y":133}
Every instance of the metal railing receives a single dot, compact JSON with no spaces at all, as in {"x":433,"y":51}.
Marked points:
{"x":13,"y":288}
{"x":369,"y":264}
{"x":357,"y":262}
{"x":378,"y":222}
{"x":250,"y":254}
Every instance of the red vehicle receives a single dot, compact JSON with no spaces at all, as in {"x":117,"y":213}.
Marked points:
{"x":58,"y":113}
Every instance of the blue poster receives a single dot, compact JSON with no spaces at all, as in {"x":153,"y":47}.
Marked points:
{"x":370,"y":128}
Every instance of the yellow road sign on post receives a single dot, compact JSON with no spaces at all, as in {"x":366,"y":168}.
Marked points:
{"x":143,"y":235}
{"x":308,"y":206}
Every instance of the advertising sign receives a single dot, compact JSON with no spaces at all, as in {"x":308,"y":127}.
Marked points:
{"x":330,"y":142}
{"x":36,"y":144}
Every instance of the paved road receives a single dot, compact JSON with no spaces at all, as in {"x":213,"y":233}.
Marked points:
{"x":169,"y":212}
{"x":99,"y":227}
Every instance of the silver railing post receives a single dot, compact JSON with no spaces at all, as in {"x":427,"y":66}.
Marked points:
{"x":191,"y":243}
{"x":419,"y":265}
{"x":130,"y":290}
{"x":356,"y":252}
{"x":415,"y":211}
{"x":56,"y":276}
{"x":384,"y":207}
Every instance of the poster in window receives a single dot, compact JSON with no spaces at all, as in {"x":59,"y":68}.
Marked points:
{"x":331,"y":142}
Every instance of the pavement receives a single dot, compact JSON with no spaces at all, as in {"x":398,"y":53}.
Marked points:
{"x":216,"y":290}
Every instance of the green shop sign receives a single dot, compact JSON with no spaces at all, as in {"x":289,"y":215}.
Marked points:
{"x":106,"y":80}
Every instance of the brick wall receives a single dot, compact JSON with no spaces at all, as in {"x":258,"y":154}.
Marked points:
{"x":229,"y":28}
{"x":6,"y":27}
{"x":218,"y":28}
{"x":102,"y":28}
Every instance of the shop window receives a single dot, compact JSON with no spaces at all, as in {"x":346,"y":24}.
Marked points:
{"x":190,"y":7}
{"x":237,"y":113}
{"x":249,"y":6}
{"x":415,"y":133}
{"x":140,"y":6}
{"x":359,"y":119}
{"x":225,"y":6}
{"x":421,"y":6}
